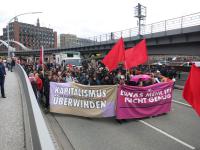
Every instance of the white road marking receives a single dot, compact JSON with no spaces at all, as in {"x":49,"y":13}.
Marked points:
{"x":168,"y":135}
{"x":181,"y":103}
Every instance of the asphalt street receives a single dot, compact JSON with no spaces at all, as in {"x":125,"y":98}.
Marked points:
{"x":177,"y":130}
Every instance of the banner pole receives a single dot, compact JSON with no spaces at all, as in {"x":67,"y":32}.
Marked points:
{"x":149,"y":65}
{"x":43,"y":61}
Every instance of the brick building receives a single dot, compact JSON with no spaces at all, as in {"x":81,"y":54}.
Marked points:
{"x":71,"y":40}
{"x":30,"y":35}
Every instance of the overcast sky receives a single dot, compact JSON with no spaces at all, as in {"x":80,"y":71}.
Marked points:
{"x":92,"y":17}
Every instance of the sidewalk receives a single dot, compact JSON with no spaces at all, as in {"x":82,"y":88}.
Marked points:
{"x":11,"y":119}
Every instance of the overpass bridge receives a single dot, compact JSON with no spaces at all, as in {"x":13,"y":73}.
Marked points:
{"x":177,"y":36}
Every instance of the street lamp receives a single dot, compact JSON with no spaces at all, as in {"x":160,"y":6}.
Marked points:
{"x":8,"y":35}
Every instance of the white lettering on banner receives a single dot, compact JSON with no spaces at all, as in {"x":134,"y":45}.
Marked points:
{"x":168,"y":90}
{"x":92,"y":105}
{"x":76,"y":103}
{"x":79,"y":103}
{"x":80,"y":92}
{"x":56,"y":90}
{"x":98,"y":104}
{"x":159,"y":98}
{"x":149,"y":94}
{"x":135,"y":100}
{"x":149,"y":97}
{"x":92,"y":93}
{"x":145,"y":100}
{"x":130,"y":94}
{"x":86,"y":104}
{"x":69,"y":101}
{"x":154,"y":94}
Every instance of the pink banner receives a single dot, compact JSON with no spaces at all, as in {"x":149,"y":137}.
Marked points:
{"x":140,"y":102}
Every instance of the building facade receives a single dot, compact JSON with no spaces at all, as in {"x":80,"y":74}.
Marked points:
{"x":31,"y":36}
{"x":71,"y":40}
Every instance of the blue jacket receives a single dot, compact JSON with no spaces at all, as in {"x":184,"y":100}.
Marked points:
{"x":2,"y":70}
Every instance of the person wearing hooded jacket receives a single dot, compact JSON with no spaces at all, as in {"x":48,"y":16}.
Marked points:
{"x":2,"y":77}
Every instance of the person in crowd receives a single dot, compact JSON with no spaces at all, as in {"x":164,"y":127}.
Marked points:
{"x":60,"y":78}
{"x":68,"y":77}
{"x":148,"y":82}
{"x":140,"y":82}
{"x":32,"y":79}
{"x":54,"y":77}
{"x":94,"y":80}
{"x":47,"y":81}
{"x":122,"y":80}
{"x":8,"y":63}
{"x":39,"y":87}
{"x":12,"y":64}
{"x":106,"y":80}
{"x":84,"y":79}
{"x":2,"y":77}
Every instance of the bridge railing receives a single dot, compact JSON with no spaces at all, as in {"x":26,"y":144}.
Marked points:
{"x":37,"y":136}
{"x":162,"y":26}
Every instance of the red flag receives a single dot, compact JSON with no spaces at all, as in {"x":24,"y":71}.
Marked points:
{"x":116,"y":55}
{"x":191,"y":91}
{"x":41,"y":55}
{"x":136,"y":55}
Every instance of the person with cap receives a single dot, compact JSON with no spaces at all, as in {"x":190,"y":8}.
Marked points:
{"x":2,"y":77}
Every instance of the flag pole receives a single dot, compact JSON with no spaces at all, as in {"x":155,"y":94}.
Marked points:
{"x":149,"y":66}
{"x":125,"y":65}
{"x":42,"y":59}
{"x":126,"y":71}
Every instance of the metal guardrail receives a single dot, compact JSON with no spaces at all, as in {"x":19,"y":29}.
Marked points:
{"x":37,"y":136}
{"x":162,"y":26}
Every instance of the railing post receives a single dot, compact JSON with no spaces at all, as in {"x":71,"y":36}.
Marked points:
{"x":182,"y":24}
{"x":94,"y":40}
{"x":130,"y":33}
{"x":165,"y":22}
{"x":151,"y":29}
{"x":100,"y":39}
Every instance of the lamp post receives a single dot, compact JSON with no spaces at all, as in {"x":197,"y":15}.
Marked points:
{"x":8,"y":34}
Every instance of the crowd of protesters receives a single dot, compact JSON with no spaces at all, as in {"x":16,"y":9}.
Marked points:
{"x":91,"y":72}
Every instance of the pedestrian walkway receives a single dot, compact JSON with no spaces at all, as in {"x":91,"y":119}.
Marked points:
{"x":11,"y":118}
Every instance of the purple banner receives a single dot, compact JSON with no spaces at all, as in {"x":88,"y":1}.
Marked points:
{"x":82,"y":100}
{"x":140,"y":102}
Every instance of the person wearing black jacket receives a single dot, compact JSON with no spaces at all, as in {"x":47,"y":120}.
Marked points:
{"x":2,"y":77}
{"x":47,"y":80}
{"x":12,"y":64}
